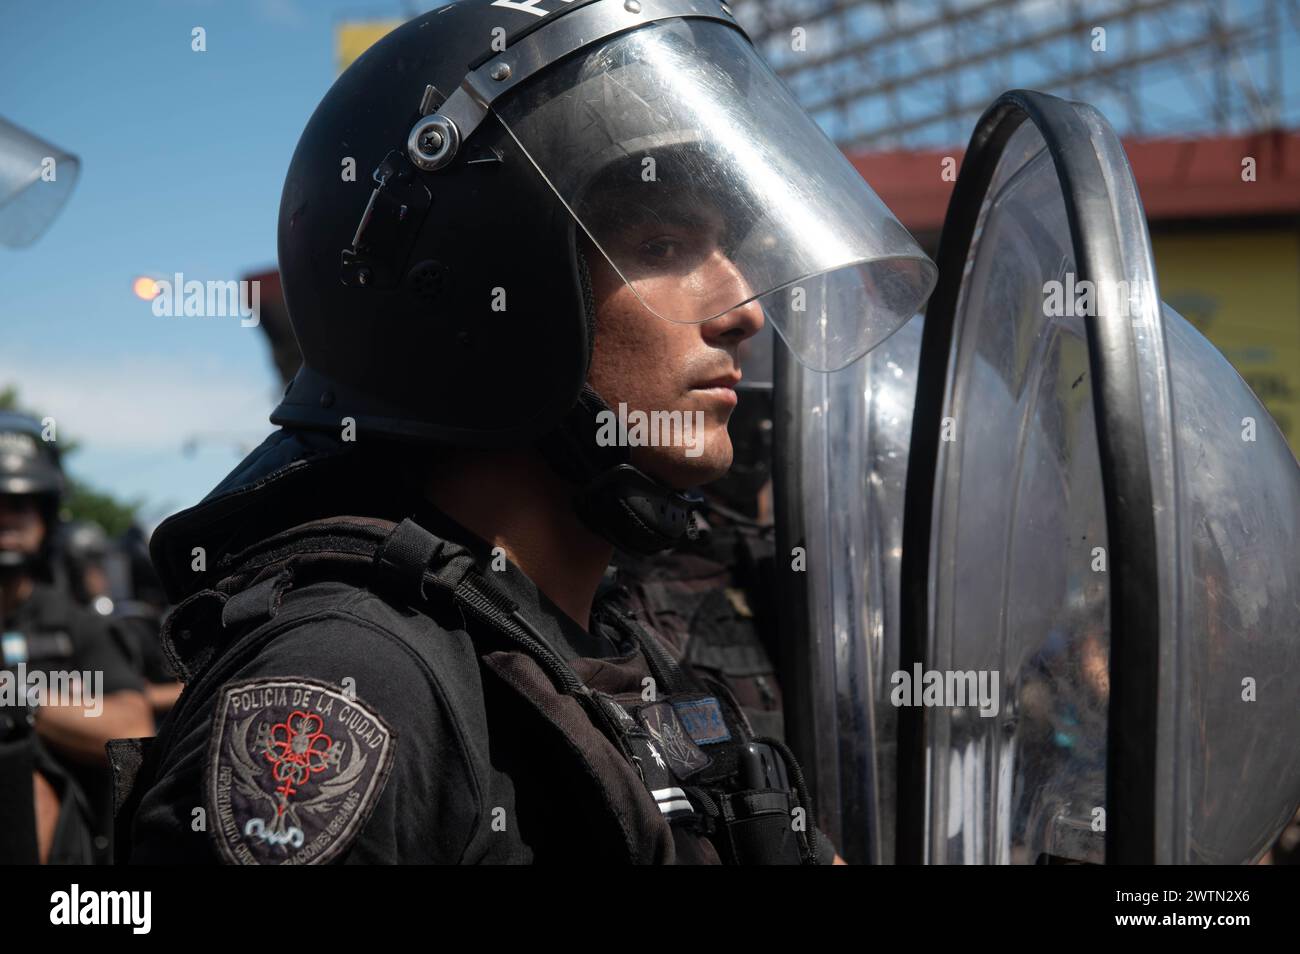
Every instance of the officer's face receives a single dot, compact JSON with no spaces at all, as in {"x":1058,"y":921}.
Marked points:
{"x":651,"y":364}
{"x":21,"y":527}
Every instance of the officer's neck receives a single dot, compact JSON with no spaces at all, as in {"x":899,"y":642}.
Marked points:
{"x":513,"y":500}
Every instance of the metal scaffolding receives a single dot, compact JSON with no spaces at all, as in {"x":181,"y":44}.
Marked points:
{"x":884,"y":74}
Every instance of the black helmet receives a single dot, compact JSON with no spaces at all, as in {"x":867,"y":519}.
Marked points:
{"x":440,"y":294}
{"x":390,"y":280}
{"x":29,"y":467}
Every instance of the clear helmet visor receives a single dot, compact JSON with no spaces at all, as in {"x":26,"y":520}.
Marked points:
{"x":36,"y":179}
{"x":691,"y":168}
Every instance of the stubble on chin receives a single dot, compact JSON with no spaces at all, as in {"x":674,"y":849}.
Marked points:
{"x":671,"y":465}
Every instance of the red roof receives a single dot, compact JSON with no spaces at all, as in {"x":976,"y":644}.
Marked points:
{"x":1177,"y":178}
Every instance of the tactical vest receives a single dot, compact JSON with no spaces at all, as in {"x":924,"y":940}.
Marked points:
{"x":679,"y":778}
{"x":711,"y":599}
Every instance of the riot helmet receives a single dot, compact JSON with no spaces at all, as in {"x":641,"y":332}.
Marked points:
{"x":30,"y":472}
{"x":449,"y":299}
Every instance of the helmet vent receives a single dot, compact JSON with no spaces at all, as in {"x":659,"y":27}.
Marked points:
{"x":426,"y":280}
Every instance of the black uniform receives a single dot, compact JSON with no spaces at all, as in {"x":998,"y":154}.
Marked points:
{"x":335,"y":715}
{"x":49,"y":633}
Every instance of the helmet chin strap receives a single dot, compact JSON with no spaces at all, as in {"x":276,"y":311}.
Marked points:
{"x":620,"y":503}
{"x":625,"y":506}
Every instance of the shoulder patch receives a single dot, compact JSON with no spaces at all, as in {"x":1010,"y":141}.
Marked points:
{"x":294,"y":769}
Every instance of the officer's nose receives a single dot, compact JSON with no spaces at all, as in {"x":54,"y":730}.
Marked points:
{"x":743,"y":321}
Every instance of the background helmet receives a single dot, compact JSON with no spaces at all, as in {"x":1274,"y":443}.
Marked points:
{"x":29,"y":467}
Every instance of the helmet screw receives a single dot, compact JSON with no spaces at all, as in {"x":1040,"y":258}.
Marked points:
{"x":632,"y":6}
{"x":363,"y":276}
{"x":433,"y":142}
{"x":327,"y":399}
{"x":501,"y":72}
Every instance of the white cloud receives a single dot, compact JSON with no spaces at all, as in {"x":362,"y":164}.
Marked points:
{"x":284,"y":12}
{"x":143,"y":403}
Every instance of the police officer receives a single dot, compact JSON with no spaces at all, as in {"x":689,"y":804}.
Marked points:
{"x":68,"y":686}
{"x":115,"y":579}
{"x":520,"y":339}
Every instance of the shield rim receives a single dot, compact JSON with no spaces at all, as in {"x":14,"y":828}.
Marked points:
{"x":1131,"y":775}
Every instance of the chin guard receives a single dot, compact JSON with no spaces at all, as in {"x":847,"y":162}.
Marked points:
{"x":629,"y":509}
{"x":635,"y":513}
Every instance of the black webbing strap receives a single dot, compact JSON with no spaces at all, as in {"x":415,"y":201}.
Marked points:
{"x":406,"y":554}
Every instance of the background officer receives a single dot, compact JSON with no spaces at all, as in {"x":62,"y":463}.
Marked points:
{"x":91,"y":693}
{"x":114,"y":578}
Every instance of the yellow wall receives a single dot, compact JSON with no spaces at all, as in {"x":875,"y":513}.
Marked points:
{"x":1242,"y":290}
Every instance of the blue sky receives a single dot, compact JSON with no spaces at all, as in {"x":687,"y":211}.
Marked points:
{"x":183,"y":155}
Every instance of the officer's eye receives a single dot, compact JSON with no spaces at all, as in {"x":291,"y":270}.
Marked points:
{"x":663,"y":250}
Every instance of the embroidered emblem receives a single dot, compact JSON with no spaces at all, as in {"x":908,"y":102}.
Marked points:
{"x":661,"y":721}
{"x":659,"y":759}
{"x":672,"y":801}
{"x":294,"y":770}
{"x":703,"y":720}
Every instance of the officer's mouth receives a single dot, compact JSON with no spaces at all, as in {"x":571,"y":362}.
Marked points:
{"x":721,"y":389}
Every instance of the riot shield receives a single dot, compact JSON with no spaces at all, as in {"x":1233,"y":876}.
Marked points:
{"x":842,"y":443}
{"x":1086,"y":649}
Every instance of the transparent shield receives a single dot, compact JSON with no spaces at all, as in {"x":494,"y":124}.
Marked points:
{"x":1019,"y":592}
{"x":1020,"y":549}
{"x":695,"y":173}
{"x":1235,"y":765}
{"x":1019,"y":635}
{"x":852,"y":456}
